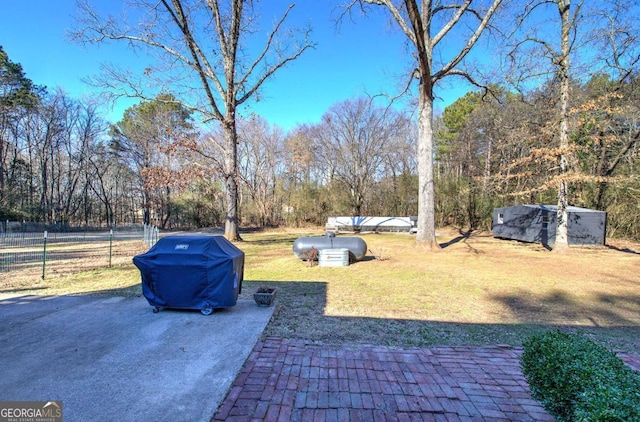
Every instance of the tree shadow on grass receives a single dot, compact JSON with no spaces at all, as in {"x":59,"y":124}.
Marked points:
{"x":625,"y":250}
{"x":301,"y":314}
{"x":271,"y":242}
{"x":463,"y":236}
{"x":560,"y":307}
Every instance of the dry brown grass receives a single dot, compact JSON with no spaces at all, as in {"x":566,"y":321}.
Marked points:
{"x":476,"y":290}
{"x":78,"y":269}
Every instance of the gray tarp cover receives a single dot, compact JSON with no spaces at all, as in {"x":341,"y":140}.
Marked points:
{"x":191,"y":272}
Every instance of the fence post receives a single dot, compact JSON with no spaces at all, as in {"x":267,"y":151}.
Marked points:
{"x":110,"y":245}
{"x":44,"y":254}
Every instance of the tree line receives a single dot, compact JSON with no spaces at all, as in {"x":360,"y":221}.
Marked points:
{"x":54,"y":164}
{"x":502,"y":150}
{"x":546,"y":130}
{"x":62,"y":163}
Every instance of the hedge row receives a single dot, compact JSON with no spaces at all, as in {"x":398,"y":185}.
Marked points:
{"x":576,"y":379}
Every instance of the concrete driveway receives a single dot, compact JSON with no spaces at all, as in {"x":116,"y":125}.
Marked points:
{"x":114,"y":359}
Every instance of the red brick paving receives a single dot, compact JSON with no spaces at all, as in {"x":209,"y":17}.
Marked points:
{"x":292,"y":380}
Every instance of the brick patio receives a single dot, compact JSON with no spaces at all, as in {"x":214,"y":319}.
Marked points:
{"x":290,"y":380}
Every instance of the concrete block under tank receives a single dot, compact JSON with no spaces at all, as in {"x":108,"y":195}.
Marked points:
{"x":357,"y":246}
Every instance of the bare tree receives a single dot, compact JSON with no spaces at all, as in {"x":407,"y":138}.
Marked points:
{"x":301,"y":180}
{"x":617,"y":38}
{"x":428,"y":26}
{"x":557,"y":49}
{"x":103,"y":173}
{"x":618,"y":47}
{"x":562,"y":60}
{"x":352,"y":141}
{"x":206,"y":54}
{"x":261,"y":162}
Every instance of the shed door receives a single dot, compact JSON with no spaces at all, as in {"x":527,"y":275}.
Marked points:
{"x":545,"y":220}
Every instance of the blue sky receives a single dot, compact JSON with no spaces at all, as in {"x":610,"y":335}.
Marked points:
{"x":364,"y":56}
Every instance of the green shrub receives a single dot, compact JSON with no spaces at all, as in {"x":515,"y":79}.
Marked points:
{"x":576,"y":379}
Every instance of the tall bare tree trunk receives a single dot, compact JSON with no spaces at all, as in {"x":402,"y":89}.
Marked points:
{"x":562,"y":220}
{"x":487,"y":168}
{"x":416,"y":25}
{"x":426,"y":235}
{"x":2,"y":153}
{"x":231,"y":229}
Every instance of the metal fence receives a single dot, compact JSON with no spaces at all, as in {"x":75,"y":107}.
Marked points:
{"x":30,"y":249}
{"x":7,"y":226}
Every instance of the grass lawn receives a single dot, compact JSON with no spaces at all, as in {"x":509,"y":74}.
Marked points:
{"x":476,"y":290}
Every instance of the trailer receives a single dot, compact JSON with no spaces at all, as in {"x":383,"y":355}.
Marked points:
{"x":372,"y":224}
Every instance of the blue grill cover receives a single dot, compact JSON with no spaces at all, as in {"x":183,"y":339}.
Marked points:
{"x":191,"y":272}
